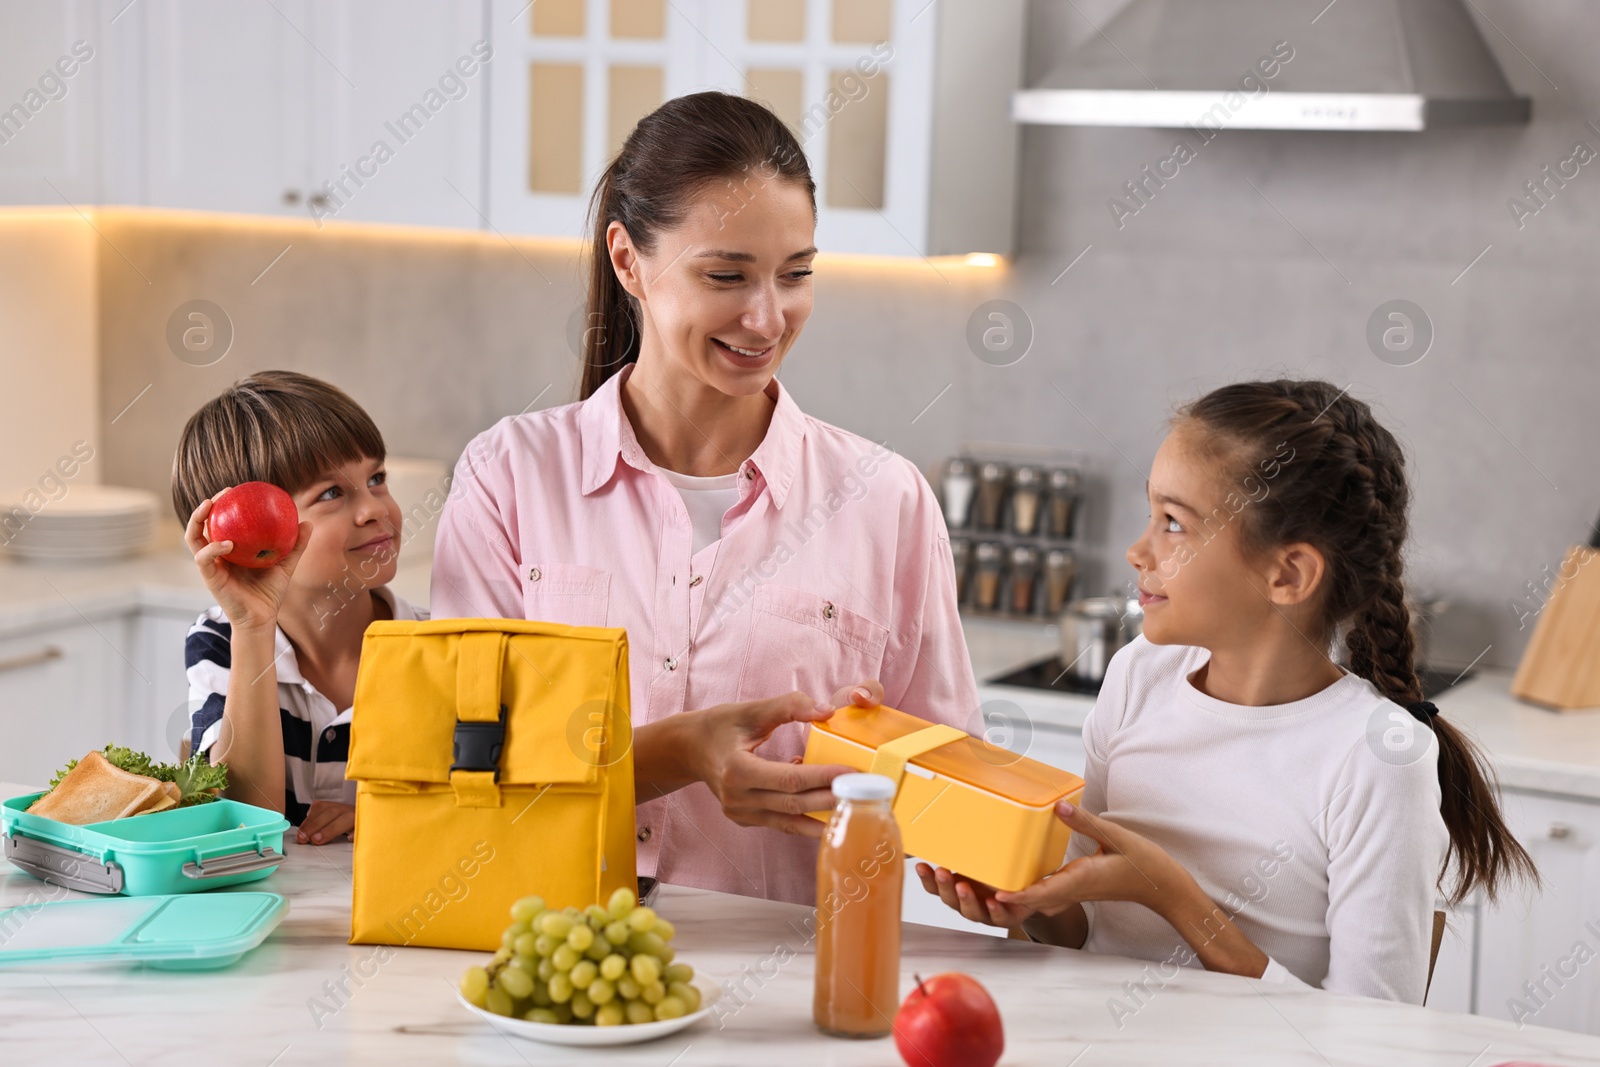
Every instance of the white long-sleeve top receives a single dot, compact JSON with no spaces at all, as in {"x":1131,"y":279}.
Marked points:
{"x":1315,"y":824}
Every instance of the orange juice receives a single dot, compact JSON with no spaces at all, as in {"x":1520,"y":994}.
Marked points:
{"x":860,"y":874}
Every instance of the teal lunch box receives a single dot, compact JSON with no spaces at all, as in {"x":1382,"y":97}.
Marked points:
{"x":180,"y":850}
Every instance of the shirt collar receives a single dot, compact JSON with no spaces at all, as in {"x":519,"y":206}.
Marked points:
{"x":607,"y":436}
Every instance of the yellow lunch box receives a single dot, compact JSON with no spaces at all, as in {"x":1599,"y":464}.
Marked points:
{"x":962,"y":803}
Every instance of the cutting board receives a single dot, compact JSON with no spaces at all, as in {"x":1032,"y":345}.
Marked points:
{"x":1561,"y":667}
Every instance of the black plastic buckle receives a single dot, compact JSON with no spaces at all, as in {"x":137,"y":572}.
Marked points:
{"x":477,"y":745}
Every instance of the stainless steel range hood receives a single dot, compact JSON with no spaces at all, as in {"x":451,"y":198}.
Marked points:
{"x":1279,"y":65}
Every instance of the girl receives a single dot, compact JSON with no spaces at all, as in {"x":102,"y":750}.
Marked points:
{"x":1259,"y":809}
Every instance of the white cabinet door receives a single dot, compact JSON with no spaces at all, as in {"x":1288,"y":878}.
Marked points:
{"x":400,"y":92}
{"x":227,"y":104}
{"x":571,"y":78}
{"x":52,"y":54}
{"x":856,"y":84}
{"x":1539,"y":952}
{"x":158,"y":722}
{"x":62,"y":693}
{"x":348,"y":109}
{"x":1451,"y":989}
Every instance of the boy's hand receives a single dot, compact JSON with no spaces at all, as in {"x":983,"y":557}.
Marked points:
{"x":1128,"y":867}
{"x":325,"y":821}
{"x":250,"y":598}
{"x":972,"y":899}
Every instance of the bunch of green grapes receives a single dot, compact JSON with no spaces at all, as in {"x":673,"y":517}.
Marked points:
{"x":606,"y":965}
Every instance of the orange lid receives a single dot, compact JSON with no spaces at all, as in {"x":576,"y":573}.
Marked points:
{"x":969,"y":760}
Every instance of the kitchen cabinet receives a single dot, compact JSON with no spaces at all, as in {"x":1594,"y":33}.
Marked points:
{"x":115,"y":678}
{"x":859,"y":81}
{"x":1454,"y":970}
{"x":381,"y":112}
{"x":227,"y":106}
{"x":1537,"y":950}
{"x":53,"y":55}
{"x":398,"y":109}
{"x":159,"y":719}
{"x":354,"y":110}
{"x":63,"y":691}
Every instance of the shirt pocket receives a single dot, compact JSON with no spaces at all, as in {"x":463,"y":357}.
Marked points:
{"x":806,"y":641}
{"x":567,"y":593}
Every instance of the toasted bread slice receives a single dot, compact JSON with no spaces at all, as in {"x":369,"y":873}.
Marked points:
{"x":96,"y":791}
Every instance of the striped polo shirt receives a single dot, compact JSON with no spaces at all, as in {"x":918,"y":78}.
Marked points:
{"x":316,"y":735}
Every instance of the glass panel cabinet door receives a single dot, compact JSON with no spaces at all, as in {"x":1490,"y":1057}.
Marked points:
{"x":854,"y":80}
{"x":860,"y":82}
{"x":572,"y":77}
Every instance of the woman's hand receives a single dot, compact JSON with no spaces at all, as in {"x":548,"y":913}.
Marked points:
{"x":250,"y":598}
{"x":754,"y":790}
{"x":973,"y":899}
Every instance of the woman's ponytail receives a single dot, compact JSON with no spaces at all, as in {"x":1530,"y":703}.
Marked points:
{"x":610,"y":330}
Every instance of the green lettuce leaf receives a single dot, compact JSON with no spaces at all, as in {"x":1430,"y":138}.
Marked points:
{"x":198,"y":780}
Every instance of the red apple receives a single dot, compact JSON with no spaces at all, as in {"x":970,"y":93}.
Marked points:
{"x":261,"y":521}
{"x":949,"y":1021}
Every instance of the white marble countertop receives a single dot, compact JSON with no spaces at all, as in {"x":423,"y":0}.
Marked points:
{"x":40,"y":595}
{"x":264,"y":1010}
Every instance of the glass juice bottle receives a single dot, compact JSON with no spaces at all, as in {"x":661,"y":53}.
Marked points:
{"x":860,"y":874}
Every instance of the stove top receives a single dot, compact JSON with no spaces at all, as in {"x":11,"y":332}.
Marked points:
{"x":1051,"y":674}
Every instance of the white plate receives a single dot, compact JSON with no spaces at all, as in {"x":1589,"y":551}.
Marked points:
{"x":90,"y":501}
{"x":579,"y":1034}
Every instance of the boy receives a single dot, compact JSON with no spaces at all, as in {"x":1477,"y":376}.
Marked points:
{"x":272,"y":668}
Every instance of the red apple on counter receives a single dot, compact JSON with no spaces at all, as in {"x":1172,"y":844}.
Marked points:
{"x":261,"y":521}
{"x":949,"y":1021}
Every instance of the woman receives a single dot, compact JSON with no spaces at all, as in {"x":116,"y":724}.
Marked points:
{"x":759,"y":559}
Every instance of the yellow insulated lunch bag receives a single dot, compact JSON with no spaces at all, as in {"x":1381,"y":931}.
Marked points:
{"x":493,"y":759}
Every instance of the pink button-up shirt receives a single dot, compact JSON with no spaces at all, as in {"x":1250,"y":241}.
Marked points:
{"x":833,"y":567}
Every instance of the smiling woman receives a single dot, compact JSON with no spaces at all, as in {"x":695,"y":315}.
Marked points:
{"x":767,"y":567}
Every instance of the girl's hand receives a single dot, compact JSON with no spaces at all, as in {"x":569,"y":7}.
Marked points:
{"x":250,"y":598}
{"x":1128,"y":867}
{"x":754,"y":790}
{"x":326,"y":820}
{"x":972,"y":899}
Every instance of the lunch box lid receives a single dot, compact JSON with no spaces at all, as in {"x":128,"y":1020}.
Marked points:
{"x":188,"y":931}
{"x":969,"y":760}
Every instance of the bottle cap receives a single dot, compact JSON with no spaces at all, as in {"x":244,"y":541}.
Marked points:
{"x":863,"y":787}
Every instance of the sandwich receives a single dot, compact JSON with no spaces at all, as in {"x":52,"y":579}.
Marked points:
{"x":95,"y":790}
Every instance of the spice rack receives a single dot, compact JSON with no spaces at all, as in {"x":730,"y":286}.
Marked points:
{"x":1013,"y":524}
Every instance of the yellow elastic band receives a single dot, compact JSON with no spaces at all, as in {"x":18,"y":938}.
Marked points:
{"x":892,"y":756}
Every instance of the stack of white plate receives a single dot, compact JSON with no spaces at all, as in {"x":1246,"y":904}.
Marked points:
{"x":90,"y":523}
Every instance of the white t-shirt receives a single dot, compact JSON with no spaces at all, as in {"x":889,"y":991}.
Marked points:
{"x":707,"y":499}
{"x":1315,"y":824}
